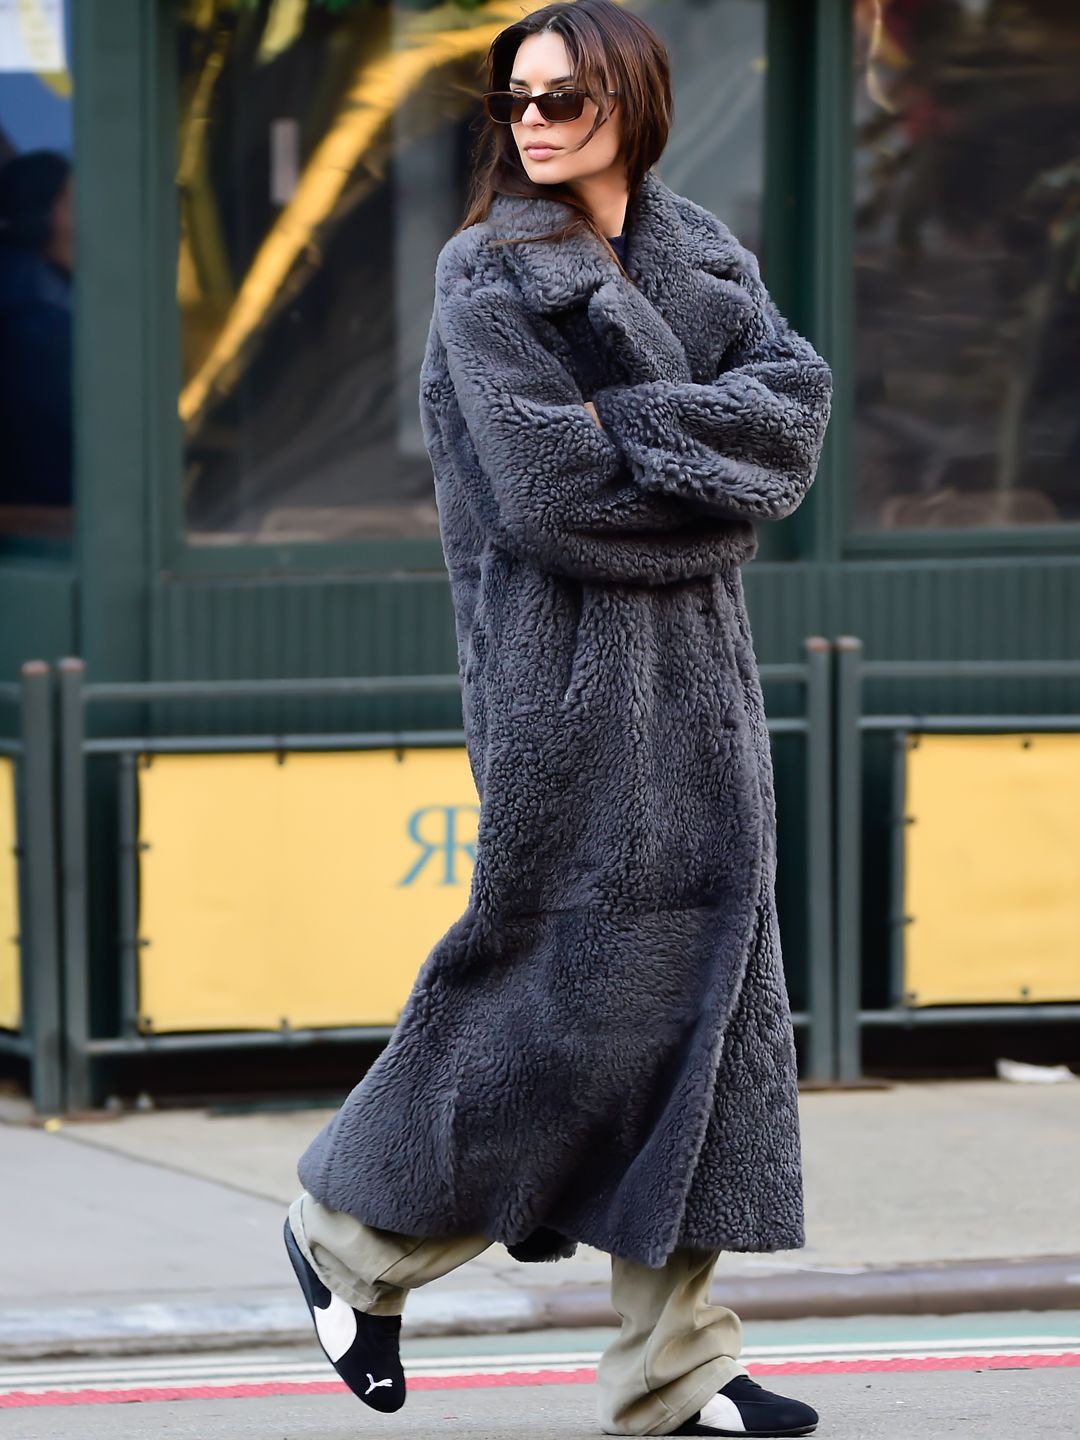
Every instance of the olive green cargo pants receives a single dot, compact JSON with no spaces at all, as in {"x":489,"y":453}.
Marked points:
{"x":673,"y":1352}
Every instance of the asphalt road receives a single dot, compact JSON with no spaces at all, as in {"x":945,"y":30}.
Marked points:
{"x":920,"y":1378}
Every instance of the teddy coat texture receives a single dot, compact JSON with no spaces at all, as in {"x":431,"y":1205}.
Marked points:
{"x":600,"y":1049}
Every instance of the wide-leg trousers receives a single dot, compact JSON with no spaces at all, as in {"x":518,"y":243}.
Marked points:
{"x":672,"y":1353}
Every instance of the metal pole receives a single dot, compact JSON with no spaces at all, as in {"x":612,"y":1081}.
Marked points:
{"x":898,"y":917}
{"x":73,"y":870}
{"x":40,"y":929}
{"x":821,"y":1045}
{"x":129,"y":895}
{"x":848,"y":857}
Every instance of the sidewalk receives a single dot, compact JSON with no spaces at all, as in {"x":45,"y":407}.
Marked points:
{"x":163,"y":1230}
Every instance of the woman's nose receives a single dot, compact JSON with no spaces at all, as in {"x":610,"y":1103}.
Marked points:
{"x":525,"y":115}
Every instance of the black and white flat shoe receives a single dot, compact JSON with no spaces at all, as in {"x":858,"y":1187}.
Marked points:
{"x":743,"y":1408}
{"x":363,"y":1349}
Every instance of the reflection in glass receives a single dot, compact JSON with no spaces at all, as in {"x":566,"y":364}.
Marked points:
{"x":323,"y":159}
{"x":967,"y":256}
{"x":37,"y":262}
{"x":716,"y":152}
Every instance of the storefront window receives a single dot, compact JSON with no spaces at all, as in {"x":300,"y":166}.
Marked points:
{"x":716,"y":153}
{"x":323,"y":156}
{"x":37,"y":262}
{"x":967,"y":263}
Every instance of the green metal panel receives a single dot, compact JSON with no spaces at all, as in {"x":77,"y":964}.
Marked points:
{"x":263,"y":628}
{"x":1019,"y":608}
{"x":270,"y":628}
{"x":39,"y":614}
{"x":982,"y":607}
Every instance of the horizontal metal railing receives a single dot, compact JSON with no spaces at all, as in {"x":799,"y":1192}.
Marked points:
{"x":852,"y":723}
{"x":57,"y":1035}
{"x":77,"y":695}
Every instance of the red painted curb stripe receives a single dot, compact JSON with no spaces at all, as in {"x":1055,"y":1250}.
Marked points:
{"x":20,"y":1399}
{"x":291,"y":1387}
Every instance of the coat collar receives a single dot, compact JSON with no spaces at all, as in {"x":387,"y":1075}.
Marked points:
{"x":681,"y":258}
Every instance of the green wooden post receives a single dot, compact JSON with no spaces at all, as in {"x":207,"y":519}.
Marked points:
{"x":37,"y":844}
{"x":830,"y":275}
{"x":821,"y":1047}
{"x":111,"y":335}
{"x":848,"y":857}
{"x":76,"y":966}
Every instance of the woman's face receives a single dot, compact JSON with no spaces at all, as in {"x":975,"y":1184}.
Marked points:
{"x":541,"y":63}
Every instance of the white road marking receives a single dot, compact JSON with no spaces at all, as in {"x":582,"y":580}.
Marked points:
{"x":140,"y":1372}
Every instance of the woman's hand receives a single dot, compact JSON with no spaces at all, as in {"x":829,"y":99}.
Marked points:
{"x":592,"y":411}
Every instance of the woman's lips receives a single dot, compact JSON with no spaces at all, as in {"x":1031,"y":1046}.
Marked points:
{"x":540,"y":152}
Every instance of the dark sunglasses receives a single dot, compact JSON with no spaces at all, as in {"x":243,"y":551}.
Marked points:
{"x":506,"y":107}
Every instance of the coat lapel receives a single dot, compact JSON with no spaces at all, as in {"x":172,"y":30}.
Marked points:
{"x":682,"y":260}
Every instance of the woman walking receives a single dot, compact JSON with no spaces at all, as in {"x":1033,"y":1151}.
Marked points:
{"x":600,"y":1049}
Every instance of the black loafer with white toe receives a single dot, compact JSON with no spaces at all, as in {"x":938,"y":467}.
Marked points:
{"x":743,"y":1408}
{"x":363,"y":1349}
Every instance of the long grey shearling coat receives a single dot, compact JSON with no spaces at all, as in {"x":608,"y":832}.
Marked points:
{"x":600,"y":1049}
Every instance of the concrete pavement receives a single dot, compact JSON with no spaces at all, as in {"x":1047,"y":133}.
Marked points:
{"x":162,"y":1230}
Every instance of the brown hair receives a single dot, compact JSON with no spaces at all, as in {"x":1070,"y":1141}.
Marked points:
{"x":609,"y":48}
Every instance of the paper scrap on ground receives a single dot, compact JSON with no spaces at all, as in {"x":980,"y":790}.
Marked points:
{"x":1024,"y":1074}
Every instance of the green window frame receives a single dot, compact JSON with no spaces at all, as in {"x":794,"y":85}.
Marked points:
{"x":835,"y":320}
{"x":809,"y":258}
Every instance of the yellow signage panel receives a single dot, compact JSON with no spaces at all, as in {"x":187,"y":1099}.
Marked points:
{"x":992,"y":869}
{"x":307,"y":889}
{"x":10,"y":994}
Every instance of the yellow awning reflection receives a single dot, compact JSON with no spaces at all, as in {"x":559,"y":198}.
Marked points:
{"x":366,"y":107}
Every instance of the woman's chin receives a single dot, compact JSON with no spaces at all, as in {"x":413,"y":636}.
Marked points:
{"x":544,"y":172}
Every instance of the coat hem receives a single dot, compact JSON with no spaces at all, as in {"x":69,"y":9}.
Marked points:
{"x":564,"y":1240}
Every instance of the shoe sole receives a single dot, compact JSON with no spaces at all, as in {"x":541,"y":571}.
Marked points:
{"x":748,"y":1434}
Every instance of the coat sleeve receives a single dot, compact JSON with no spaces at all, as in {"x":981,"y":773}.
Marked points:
{"x":555,"y":488}
{"x":745,"y":445}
